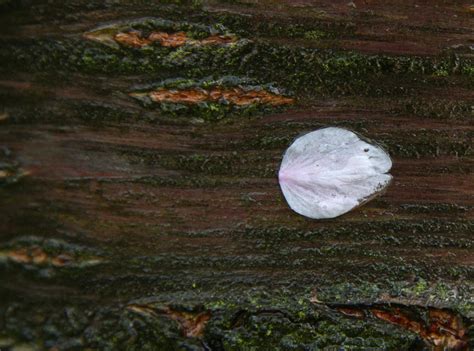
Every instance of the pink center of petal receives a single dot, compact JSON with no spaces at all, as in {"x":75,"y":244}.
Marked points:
{"x":287,"y":176}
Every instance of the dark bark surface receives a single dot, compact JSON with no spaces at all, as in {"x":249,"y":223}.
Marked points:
{"x":130,"y":224}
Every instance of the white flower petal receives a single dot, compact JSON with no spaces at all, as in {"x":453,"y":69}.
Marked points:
{"x":328,"y":172}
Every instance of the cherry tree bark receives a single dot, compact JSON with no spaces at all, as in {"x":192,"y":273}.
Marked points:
{"x":139,"y":149}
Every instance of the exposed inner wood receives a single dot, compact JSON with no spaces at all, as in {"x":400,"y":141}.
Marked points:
{"x":173,"y":40}
{"x":35,"y":255}
{"x":236,"y":96}
{"x":444,"y":330}
{"x":192,"y":324}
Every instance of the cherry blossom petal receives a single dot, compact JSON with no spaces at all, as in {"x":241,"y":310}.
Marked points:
{"x":328,"y":172}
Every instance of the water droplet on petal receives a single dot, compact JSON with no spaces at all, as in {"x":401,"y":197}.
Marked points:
{"x":328,"y":172}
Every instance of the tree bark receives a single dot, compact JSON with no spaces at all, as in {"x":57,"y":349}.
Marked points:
{"x":139,"y":200}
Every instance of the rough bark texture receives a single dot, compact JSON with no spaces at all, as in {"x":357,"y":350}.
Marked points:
{"x":139,"y":211}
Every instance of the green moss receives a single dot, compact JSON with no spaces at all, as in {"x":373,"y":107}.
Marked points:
{"x":420,"y":287}
{"x":413,"y":144}
{"x":423,"y":232}
{"x":434,"y":208}
{"x":254,"y":318}
{"x":230,"y":164}
{"x":305,"y":28}
{"x":428,"y":143}
{"x":288,"y":324}
{"x":301,"y":70}
{"x":314,"y":35}
{"x":420,"y":293}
